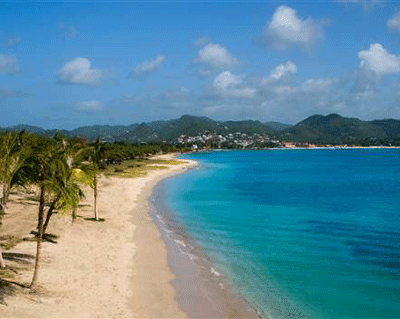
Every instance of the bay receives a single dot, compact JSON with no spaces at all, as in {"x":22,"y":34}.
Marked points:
{"x":300,"y":233}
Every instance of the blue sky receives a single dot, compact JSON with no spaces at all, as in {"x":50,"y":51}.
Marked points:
{"x":68,"y":64}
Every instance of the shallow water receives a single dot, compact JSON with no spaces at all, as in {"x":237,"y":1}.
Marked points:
{"x":301,"y":233}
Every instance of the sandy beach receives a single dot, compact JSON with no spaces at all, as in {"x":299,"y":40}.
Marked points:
{"x":112,"y":269}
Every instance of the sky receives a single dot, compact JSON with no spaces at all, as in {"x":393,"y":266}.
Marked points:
{"x":73,"y":63}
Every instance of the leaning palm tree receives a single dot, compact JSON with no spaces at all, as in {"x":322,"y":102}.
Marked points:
{"x":48,"y":169}
{"x":69,"y":194}
{"x":12,"y":156}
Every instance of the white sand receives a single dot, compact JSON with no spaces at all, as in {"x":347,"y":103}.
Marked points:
{"x":112,"y":269}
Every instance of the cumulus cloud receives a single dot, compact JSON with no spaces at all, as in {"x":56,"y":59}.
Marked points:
{"x":216,"y":56}
{"x":284,"y":90}
{"x":8,"y":64}
{"x":148,"y":66}
{"x":287,"y":29}
{"x":394,"y":22}
{"x":90,"y":106}
{"x":379,"y":60}
{"x":280,"y":73}
{"x":227,"y":84}
{"x":79,"y":72}
{"x":318,"y":85}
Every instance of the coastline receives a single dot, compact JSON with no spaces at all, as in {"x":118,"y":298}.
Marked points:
{"x":153,"y":295}
{"x":117,"y":268}
{"x":201,"y":291}
{"x":96,"y":269}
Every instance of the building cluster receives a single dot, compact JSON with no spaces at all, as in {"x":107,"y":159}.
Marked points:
{"x":228,"y":140}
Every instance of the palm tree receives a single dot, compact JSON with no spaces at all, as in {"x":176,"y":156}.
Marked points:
{"x":12,"y":156}
{"x":96,"y":159}
{"x":68,"y":195}
{"x":48,"y":168}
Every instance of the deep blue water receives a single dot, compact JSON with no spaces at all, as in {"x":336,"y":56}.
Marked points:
{"x":301,"y":233}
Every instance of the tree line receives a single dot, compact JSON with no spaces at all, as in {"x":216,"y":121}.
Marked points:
{"x":58,"y":167}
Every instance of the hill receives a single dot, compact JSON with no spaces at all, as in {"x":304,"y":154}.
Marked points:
{"x":157,"y":131}
{"x":335,"y":129}
{"x":318,"y":129}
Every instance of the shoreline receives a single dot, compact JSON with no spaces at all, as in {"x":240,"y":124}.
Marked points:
{"x":201,"y":291}
{"x":90,"y":272}
{"x":154,"y":296}
{"x":295,"y":148}
{"x":119,"y":268}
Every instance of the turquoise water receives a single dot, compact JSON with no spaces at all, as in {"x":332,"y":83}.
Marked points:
{"x":301,"y":233}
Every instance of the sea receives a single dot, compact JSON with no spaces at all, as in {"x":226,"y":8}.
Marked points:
{"x":304,"y":233}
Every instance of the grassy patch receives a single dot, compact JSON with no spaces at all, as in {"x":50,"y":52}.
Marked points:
{"x":137,"y":168}
{"x":165,"y":162}
{"x":140,"y":171}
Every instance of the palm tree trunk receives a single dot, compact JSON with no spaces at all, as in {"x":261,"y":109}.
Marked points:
{"x":50,"y":212}
{"x":4,"y":198}
{"x":39,"y":238}
{"x":73,"y":216}
{"x":95,"y":196}
{"x":2,"y":262}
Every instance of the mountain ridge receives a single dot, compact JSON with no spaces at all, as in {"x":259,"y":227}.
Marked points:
{"x":321,"y":129}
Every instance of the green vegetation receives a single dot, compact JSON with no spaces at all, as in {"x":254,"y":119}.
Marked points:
{"x":57,"y":167}
{"x":137,"y":167}
{"x":317,"y":129}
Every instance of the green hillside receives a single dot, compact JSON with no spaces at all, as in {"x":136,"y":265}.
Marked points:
{"x":319,"y":129}
{"x":335,"y":129}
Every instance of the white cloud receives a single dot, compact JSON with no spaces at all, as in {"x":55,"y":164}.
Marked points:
{"x":78,"y":72}
{"x":287,"y":29}
{"x":90,"y":106}
{"x":280,"y":72}
{"x":378,"y":60}
{"x":285,"y":90}
{"x":318,"y":85}
{"x":227,"y":84}
{"x":148,"y":66}
{"x":8,"y":64}
{"x":394,"y":22}
{"x":216,"y":56}
{"x":202,"y":41}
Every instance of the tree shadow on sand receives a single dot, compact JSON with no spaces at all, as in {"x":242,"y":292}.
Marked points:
{"x":51,"y":238}
{"x":92,"y":219}
{"x":19,"y":258}
{"x":9,"y":287}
